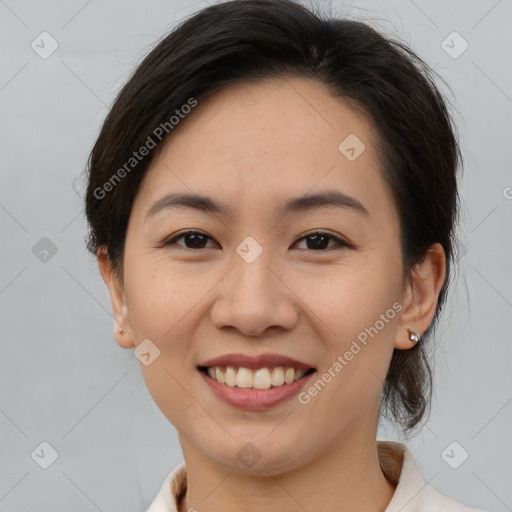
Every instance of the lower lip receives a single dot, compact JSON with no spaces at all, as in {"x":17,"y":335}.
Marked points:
{"x":249,"y":398}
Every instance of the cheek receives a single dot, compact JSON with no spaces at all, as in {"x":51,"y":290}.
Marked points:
{"x":174,"y":396}
{"x":158,"y":304}
{"x":356,"y":310}
{"x":351,"y":299}
{"x":161,"y":296}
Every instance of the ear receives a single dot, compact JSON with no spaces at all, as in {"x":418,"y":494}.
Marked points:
{"x":117,"y":299}
{"x":420,"y":296}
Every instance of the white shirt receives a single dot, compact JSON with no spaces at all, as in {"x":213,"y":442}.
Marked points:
{"x":411,"y":493}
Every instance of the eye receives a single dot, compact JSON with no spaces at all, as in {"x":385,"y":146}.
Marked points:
{"x":318,"y":240}
{"x":196,"y":239}
{"x":315,"y":241}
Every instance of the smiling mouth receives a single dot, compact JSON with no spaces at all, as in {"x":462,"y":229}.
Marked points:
{"x":261,"y":378}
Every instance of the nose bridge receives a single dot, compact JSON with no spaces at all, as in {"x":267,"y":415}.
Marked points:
{"x":251,"y":273}
{"x":252,"y":297}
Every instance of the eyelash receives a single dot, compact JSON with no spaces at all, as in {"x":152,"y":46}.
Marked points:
{"x":339,"y":242}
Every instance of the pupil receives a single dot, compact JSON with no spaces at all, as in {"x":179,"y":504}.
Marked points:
{"x":319,"y":244}
{"x":196,"y":239}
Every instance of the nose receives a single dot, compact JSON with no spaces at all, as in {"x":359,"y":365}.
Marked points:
{"x":253,"y":298}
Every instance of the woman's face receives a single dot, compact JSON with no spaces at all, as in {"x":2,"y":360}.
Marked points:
{"x":252,"y":282}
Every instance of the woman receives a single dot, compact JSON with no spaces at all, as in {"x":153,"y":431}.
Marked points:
{"x":272,"y":201}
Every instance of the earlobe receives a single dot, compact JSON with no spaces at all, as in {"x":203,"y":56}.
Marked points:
{"x":407,"y":338}
{"x":123,"y":337}
{"x":422,"y":294}
{"x":122,"y":330}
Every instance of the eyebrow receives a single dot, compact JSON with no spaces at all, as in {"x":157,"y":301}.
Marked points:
{"x":329,"y":198}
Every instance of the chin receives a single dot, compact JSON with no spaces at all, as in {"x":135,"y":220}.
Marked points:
{"x":255,"y":459}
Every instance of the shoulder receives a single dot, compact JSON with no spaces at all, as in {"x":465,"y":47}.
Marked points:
{"x":412,"y":493}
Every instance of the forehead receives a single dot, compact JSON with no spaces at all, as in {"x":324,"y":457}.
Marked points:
{"x":266,"y":141}
{"x":271,"y":118}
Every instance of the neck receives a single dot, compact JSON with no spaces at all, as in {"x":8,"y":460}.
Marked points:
{"x":345,"y":477}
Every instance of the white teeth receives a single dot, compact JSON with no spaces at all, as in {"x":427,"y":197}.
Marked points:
{"x":219,"y":375}
{"x":289,"y":374}
{"x":277,"y":377}
{"x":244,"y":378}
{"x":299,"y":374}
{"x":230,"y":376}
{"x":262,"y":378}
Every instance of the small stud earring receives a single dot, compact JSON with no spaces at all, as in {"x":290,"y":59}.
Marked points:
{"x":413,"y":336}
{"x":120,"y":331}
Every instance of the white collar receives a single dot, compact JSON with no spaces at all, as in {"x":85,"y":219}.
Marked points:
{"x":412,"y":494}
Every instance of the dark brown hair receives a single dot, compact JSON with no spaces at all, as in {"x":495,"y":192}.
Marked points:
{"x":250,"y":40}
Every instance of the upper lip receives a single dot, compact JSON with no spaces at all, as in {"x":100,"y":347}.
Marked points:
{"x":255,"y":362}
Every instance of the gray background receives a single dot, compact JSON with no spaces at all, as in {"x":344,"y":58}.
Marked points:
{"x":65,"y":381}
